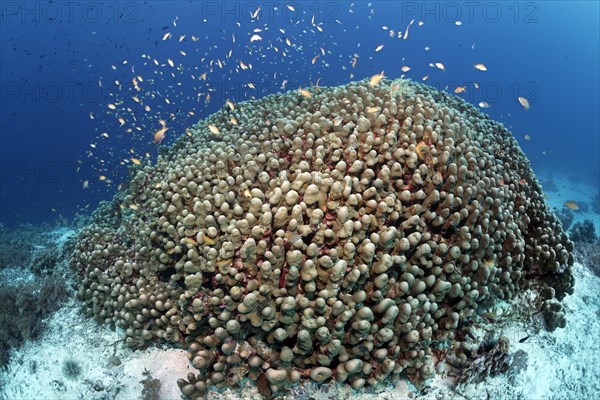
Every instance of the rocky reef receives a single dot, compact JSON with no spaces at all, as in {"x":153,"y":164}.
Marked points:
{"x":342,"y":235}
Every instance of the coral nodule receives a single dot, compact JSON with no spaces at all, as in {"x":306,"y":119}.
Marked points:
{"x":333,"y":237}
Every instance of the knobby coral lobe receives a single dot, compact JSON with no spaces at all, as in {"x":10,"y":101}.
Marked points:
{"x":330,"y":243}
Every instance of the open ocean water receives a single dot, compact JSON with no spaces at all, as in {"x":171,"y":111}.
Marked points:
{"x":100,"y":101}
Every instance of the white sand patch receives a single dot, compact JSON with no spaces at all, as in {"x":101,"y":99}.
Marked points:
{"x":36,"y":370}
{"x":62,"y":235}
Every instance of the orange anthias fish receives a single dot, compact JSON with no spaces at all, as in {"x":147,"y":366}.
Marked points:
{"x":422,"y":149}
{"x":375,"y":79}
{"x":159,"y":135}
{"x":191,"y":241}
{"x":572,"y":205}
{"x":524,"y":102}
{"x":305,"y":93}
{"x":490,"y":262}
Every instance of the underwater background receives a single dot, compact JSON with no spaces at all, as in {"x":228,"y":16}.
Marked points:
{"x":89,"y":91}
{"x":61,"y":63}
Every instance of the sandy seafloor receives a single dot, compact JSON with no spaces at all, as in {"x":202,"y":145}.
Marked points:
{"x":561,"y":365}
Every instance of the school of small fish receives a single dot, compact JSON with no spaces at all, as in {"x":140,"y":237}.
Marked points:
{"x":147,"y":97}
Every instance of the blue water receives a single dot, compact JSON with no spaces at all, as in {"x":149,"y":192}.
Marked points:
{"x":55,"y":54}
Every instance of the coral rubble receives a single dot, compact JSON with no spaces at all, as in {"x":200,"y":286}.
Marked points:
{"x":584,"y":232}
{"x":23,"y":310}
